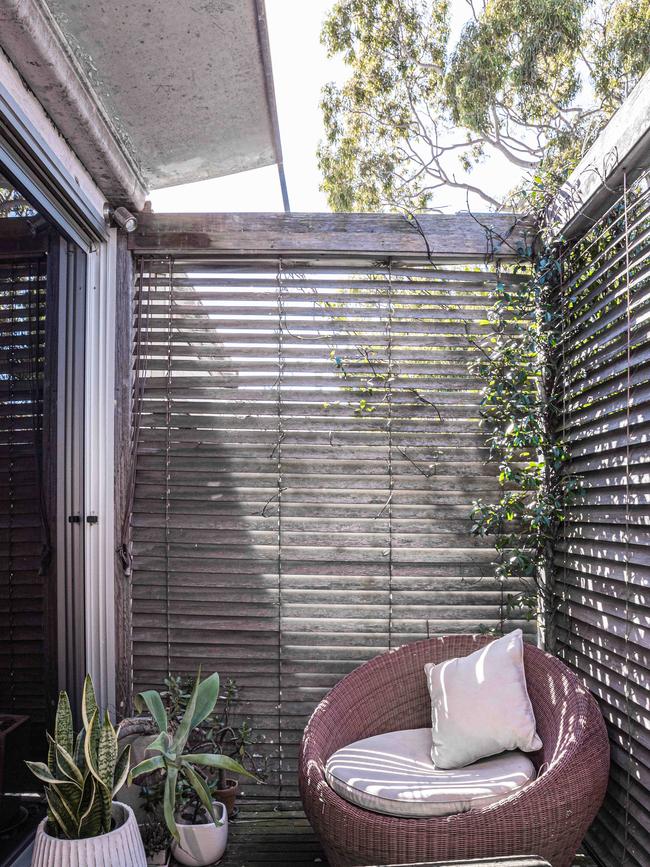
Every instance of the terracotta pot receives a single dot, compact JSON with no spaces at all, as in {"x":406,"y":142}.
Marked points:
{"x":121,"y":847}
{"x":228,"y":796}
{"x":201,"y":845}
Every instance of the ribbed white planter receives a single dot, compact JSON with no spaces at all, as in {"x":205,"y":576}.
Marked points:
{"x":121,"y":847}
{"x":201,"y":845}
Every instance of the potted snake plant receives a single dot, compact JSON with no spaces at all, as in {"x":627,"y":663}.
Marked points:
{"x":197,"y":823}
{"x":84,"y":772}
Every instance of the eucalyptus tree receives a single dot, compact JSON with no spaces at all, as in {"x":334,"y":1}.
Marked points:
{"x":531,"y":80}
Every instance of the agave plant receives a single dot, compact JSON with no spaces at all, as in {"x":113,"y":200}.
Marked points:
{"x":83,"y":773}
{"x":170,"y":744}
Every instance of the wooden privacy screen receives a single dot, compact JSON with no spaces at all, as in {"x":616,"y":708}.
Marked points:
{"x":603,"y":560}
{"x":309,"y":450}
{"x":23,"y":531}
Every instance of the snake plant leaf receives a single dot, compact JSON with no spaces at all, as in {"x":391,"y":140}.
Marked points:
{"x":88,"y":701}
{"x":90,"y":810}
{"x":66,"y":764}
{"x":71,"y":794}
{"x":65,"y":808}
{"x":121,"y":769}
{"x":79,"y":758}
{"x":91,"y":744}
{"x":206,"y":699}
{"x":183,"y":731}
{"x":61,"y":815}
{"x":103,"y":795}
{"x":107,"y":752}
{"x":213,"y":760}
{"x":148,"y":766}
{"x":51,"y":756}
{"x":154,"y":705}
{"x":169,"y":802}
{"x":43,"y":773}
{"x":200,"y":787}
{"x":63,"y":731}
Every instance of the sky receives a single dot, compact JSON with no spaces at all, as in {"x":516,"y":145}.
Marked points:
{"x":300,"y":70}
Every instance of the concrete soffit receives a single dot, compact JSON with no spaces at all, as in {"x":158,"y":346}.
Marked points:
{"x":40,"y":53}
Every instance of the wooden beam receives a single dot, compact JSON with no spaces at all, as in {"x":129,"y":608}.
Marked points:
{"x":621,"y":148}
{"x":460,"y":237}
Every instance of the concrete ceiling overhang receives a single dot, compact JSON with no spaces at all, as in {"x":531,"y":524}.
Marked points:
{"x":150,"y":93}
{"x":184,"y":81}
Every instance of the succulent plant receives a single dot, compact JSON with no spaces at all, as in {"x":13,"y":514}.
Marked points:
{"x":83,"y":772}
{"x":170,"y":744}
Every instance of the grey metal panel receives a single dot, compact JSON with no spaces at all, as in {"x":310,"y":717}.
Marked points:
{"x":30,"y":164}
{"x":71,"y":566}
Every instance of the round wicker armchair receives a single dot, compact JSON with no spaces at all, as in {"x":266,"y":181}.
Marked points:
{"x":548,"y":817}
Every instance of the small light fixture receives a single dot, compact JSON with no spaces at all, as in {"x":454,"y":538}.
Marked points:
{"x":121,"y":217}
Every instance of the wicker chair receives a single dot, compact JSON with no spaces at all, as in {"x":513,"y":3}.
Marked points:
{"x":548,"y":817}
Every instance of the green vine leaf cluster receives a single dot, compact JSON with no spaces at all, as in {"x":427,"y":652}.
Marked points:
{"x":520,"y":407}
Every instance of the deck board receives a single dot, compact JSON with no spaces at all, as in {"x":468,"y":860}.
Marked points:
{"x":264,"y":834}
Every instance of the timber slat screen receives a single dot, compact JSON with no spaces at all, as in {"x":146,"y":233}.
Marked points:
{"x":309,"y":450}
{"x":603,"y":560}
{"x":23,"y":572}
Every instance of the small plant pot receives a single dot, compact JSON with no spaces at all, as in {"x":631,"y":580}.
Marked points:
{"x":228,"y":796}
{"x":121,"y":847}
{"x":204,"y":844}
{"x":160,"y":859}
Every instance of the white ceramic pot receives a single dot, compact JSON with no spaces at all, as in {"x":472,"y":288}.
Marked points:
{"x":121,"y":847}
{"x":201,"y":845}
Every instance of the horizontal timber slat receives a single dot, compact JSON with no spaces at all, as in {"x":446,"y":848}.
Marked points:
{"x":306,"y":468}
{"x":602,"y":558}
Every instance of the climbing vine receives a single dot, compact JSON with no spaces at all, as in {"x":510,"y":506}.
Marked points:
{"x":520,"y":409}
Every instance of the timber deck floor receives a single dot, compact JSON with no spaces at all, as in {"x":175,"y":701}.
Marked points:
{"x":261,"y":835}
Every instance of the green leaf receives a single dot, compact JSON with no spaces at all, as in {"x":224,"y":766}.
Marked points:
{"x":183,"y":732}
{"x":43,"y":773}
{"x":148,"y":766}
{"x":91,"y":743}
{"x":67,"y":766}
{"x":169,"y":802}
{"x":63,"y":730}
{"x":90,"y":810}
{"x":206,"y":699}
{"x":88,"y":701}
{"x":107,"y":753}
{"x":62,"y":816}
{"x":121,"y":769}
{"x":162,"y":744}
{"x":79,"y":758}
{"x":152,"y":700}
{"x":214,"y":760}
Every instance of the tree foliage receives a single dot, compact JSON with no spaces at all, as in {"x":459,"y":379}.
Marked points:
{"x":532,"y":80}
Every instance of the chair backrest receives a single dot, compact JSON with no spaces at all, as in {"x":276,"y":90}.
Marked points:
{"x":390,"y":692}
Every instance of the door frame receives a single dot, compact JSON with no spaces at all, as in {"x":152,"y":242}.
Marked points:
{"x":84,"y":272}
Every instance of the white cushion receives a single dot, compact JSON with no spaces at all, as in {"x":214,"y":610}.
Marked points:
{"x":393,"y":774}
{"x":480,"y":704}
